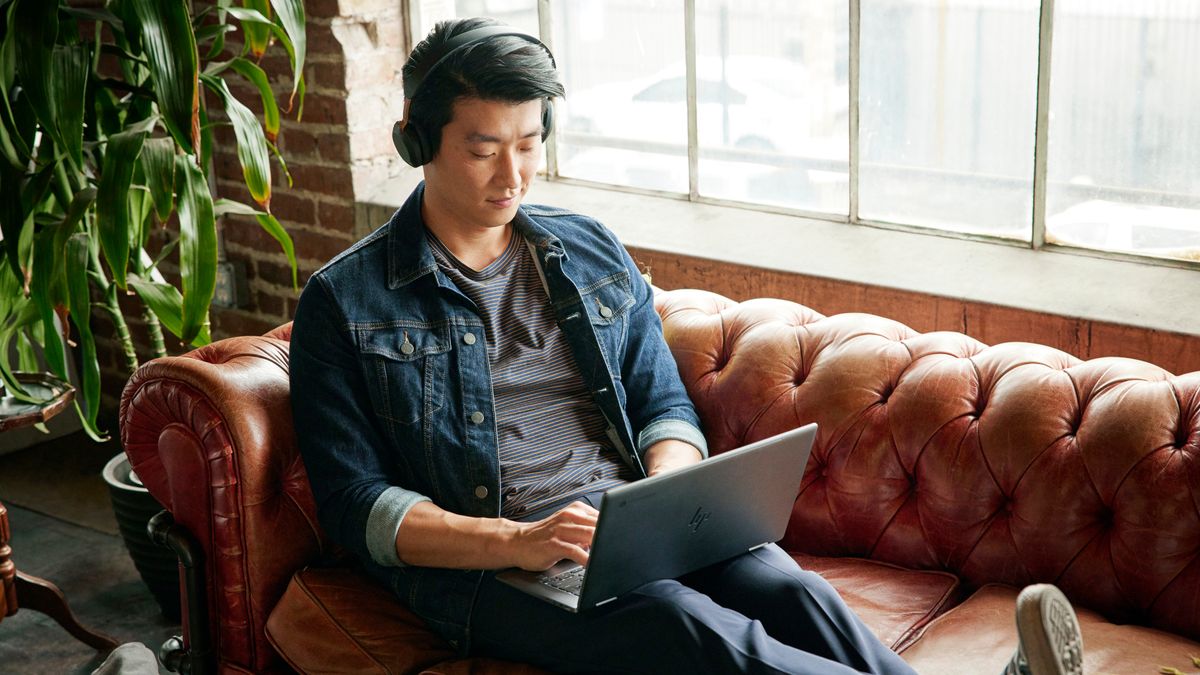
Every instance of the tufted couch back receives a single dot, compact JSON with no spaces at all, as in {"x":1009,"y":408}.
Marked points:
{"x":1015,"y":463}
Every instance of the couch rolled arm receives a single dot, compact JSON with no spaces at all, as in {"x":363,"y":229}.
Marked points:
{"x":210,"y":435}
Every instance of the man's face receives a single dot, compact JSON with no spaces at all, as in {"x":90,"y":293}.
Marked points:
{"x":489,"y":154}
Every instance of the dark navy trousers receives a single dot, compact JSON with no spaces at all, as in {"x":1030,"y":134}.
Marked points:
{"x":756,"y":613}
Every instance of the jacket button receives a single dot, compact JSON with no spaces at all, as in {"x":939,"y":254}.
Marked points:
{"x":476,"y":417}
{"x":407,"y":348}
{"x":469,"y":338}
{"x":606,"y":312}
{"x":481,"y":491}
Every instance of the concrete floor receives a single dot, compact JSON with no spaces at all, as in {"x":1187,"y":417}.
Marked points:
{"x":89,"y":563}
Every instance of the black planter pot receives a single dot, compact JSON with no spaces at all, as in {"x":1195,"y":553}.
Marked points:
{"x":134,"y":507}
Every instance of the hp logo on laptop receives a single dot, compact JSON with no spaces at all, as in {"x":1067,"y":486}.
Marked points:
{"x":698,"y":519}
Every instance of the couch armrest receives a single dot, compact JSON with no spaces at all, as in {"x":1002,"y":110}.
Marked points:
{"x":210,"y":435}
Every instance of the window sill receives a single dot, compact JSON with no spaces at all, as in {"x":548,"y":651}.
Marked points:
{"x":1130,"y":293}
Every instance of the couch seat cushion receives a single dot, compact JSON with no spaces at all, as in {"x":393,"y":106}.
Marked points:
{"x":894,"y":602}
{"x":979,"y":636}
{"x":341,"y":620}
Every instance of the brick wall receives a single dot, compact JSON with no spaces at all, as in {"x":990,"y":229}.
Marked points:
{"x":339,"y":151}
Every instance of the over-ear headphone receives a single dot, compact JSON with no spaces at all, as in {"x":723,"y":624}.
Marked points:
{"x":414,"y":143}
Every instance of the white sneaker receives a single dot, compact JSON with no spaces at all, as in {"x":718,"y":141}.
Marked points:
{"x":1049,"y":641}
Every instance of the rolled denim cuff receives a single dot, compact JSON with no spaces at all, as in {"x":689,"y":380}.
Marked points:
{"x":384,"y":522}
{"x":678,"y":430}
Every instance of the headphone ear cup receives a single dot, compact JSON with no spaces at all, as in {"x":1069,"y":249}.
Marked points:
{"x":410,"y":142}
{"x":547,"y":119}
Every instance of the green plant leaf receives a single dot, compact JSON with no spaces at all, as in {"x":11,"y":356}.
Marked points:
{"x":90,"y":14}
{"x":282,"y":164}
{"x":26,"y":356}
{"x":206,"y":138}
{"x":68,"y":87}
{"x":38,"y":20}
{"x":210,"y":32}
{"x":258,"y":78}
{"x":257,"y":35}
{"x":46,"y":293}
{"x":170,"y":47}
{"x":167,"y":304}
{"x":81,"y":315}
{"x":12,"y":217}
{"x":252,"y":144}
{"x":112,"y":201}
{"x":158,"y":165}
{"x":291,"y":17}
{"x":268,"y":223}
{"x":251,"y":15}
{"x":197,"y":248}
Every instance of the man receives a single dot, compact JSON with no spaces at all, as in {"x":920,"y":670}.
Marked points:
{"x":470,"y":378}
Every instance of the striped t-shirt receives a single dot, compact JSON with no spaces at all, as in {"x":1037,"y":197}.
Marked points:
{"x":551,"y":434}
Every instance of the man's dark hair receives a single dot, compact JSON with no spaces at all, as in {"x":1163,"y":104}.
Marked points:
{"x":502,"y":68}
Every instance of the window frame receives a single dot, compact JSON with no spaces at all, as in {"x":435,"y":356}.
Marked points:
{"x":1037,"y":236}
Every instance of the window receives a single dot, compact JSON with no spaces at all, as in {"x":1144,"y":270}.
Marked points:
{"x":910,"y":113}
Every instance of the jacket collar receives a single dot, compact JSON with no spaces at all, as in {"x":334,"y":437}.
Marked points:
{"x":409,"y":254}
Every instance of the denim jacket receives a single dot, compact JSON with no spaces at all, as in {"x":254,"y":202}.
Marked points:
{"x":391,"y":391}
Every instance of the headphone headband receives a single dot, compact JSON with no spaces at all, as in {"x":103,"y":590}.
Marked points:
{"x":458,"y":42}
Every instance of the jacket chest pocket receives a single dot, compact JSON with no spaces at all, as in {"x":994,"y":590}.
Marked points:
{"x":608,"y":303}
{"x":406,"y":370}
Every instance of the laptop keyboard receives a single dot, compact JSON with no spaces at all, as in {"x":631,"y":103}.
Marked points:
{"x":568,"y":582}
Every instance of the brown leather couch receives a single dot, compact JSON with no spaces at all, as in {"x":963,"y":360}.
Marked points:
{"x":947,"y":474}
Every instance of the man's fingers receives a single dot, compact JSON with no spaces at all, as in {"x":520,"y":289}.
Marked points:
{"x":576,"y":553}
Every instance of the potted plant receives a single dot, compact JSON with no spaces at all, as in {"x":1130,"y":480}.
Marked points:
{"x":105,"y":135}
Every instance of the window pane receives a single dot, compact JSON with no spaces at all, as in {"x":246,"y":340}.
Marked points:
{"x":624,"y":120}
{"x":772,"y":102}
{"x":520,"y":14}
{"x":1124,"y":160}
{"x":948,"y":99}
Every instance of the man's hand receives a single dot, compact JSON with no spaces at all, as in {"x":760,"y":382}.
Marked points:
{"x":669,"y":455}
{"x":567,"y":534}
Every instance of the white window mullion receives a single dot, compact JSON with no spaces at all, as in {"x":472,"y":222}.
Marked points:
{"x":689,"y":28}
{"x":1042,"y":125}
{"x":546,"y":34}
{"x":855,"y":46}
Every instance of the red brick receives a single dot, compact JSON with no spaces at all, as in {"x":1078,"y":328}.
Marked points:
{"x":242,"y":231}
{"x":230,"y":322}
{"x":324,"y":109}
{"x":335,"y":216}
{"x":280,"y":275}
{"x":297,"y":144}
{"x":223,"y":137}
{"x":268,"y":303}
{"x":321,"y":39}
{"x":293,"y":208}
{"x":333,"y":181}
{"x":334,"y":147}
{"x":321,"y":9}
{"x":326,"y":75}
{"x":318,"y":246}
{"x":233,"y":188}
{"x":227,"y":166}
{"x":291,"y":305}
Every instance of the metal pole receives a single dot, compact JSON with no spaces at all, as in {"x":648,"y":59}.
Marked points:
{"x":546,"y":34}
{"x":1042,"y":126}
{"x":689,"y":32}
{"x":855,"y":48}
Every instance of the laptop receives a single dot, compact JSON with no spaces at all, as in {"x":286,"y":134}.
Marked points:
{"x":680,"y":521}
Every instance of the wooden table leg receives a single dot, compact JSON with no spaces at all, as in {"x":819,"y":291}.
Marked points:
{"x":41,"y":595}
{"x":29,"y":592}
